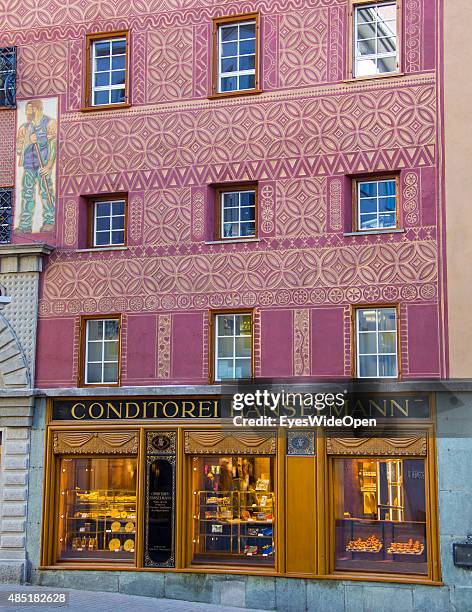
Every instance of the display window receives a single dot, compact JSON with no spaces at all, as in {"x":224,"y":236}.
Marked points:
{"x":234,"y":509}
{"x":97,"y":508}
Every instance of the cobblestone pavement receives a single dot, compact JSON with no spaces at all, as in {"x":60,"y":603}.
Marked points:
{"x":88,"y":601}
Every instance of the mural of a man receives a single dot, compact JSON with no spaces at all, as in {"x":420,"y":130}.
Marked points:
{"x":36,"y":150}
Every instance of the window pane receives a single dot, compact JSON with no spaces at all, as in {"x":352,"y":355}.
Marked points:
{"x":94,"y":330}
{"x":118,"y":77}
{"x":229,"y":33}
{"x":367,"y":190}
{"x":247,"y":47}
{"x":110,"y":373}
{"x":229,"y":83}
{"x":94,"y":351}
{"x":368,"y":221}
{"x":366,"y":320}
{"x":118,"y":62}
{"x":386,"y":45}
{"x":366,"y":67}
{"x":243,"y":325}
{"x":118,"y":47}
{"x":103,"y":209}
{"x":368,"y":343}
{"x":111,"y":329}
{"x":231,"y":214}
{"x":119,"y":208}
{"x":368,"y":205}
{"x":103,"y":63}
{"x":118,"y":237}
{"x":243,"y":368}
{"x":102,"y":223}
{"x":229,"y":65}
{"x":101,"y":97}
{"x":230,"y":230}
{"x":117,"y":96}
{"x":247,"y":81}
{"x":225,"y":325}
{"x":386,"y":12}
{"x":102,"y":48}
{"x":225,"y":347}
{"x":366,"y":47}
{"x":118,"y":223}
{"x":388,"y":365}
{"x":230,"y":199}
{"x":247,"y":62}
{"x":102,"y":238}
{"x":225,"y":369}
{"x":248,"y":198}
{"x":248,"y":213}
{"x":368,"y":366}
{"x":111,"y":351}
{"x":387,"y":319}
{"x":387,"y":188}
{"x":388,"y":220}
{"x":243,"y":346}
{"x":387,"y":64}
{"x":365,"y":15}
{"x":387,"y":342}
{"x":247,"y":31}
{"x":94,"y":373}
{"x":102,"y":79}
{"x":366,"y":31}
{"x":387,"y":204}
{"x":248,"y":229}
{"x":229,"y":49}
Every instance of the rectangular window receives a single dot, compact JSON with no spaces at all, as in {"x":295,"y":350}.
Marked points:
{"x":108,"y":222}
{"x":233,"y":346}
{"x":8,"y":76}
{"x":234,"y":510}
{"x":6,"y":215}
{"x":377,"y":203}
{"x":375,"y":38}
{"x":380,"y":514}
{"x":237,"y":213}
{"x":97,"y":509}
{"x":377,"y":351}
{"x":102,"y":349}
{"x":236,"y":54}
{"x":107,"y":79}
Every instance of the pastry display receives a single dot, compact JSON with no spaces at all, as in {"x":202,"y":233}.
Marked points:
{"x":115,"y":526}
{"x":114,"y":544}
{"x":129,"y":527}
{"x":406,"y":548}
{"x":128,"y":545}
{"x":371,"y":545}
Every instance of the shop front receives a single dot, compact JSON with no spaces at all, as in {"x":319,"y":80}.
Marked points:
{"x":166,"y":485}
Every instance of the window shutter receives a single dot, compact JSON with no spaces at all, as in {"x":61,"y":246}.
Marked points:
{"x":6,"y":215}
{"x":8,"y":77}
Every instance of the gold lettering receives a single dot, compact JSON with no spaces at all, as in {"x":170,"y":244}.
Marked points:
{"x":358,"y":406}
{"x":132,"y":404}
{"x":176,"y":410}
{"x":189,"y":411}
{"x":215,"y":407}
{"x":382,"y":410}
{"x":100,"y":414}
{"x":112,"y":408}
{"x":205,"y":408}
{"x":74,"y":416}
{"x":399,"y":407}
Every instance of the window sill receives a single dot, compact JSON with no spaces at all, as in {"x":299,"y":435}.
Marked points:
{"x":232,"y":240}
{"x":102,"y":249}
{"x":106,"y":107}
{"x":374,"y":77}
{"x":374,"y":232}
{"x":233,"y":94}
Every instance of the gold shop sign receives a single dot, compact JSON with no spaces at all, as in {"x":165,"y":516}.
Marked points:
{"x":135,"y":409}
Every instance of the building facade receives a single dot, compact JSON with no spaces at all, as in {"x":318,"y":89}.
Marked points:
{"x":237,"y":191}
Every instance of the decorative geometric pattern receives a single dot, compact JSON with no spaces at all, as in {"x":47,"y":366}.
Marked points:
{"x":336,"y":44}
{"x":301,"y":443}
{"x":270,"y":52}
{"x":138,"y":66}
{"x":170,"y":60}
{"x":74,"y":77}
{"x":301,"y":345}
{"x":335,"y":205}
{"x":411,"y":198}
{"x":201,"y":60}
{"x":70,"y":223}
{"x":136,"y":211}
{"x":413,"y":35}
{"x":7,"y":148}
{"x":43,"y":69}
{"x":303,"y":41}
{"x":167,"y":216}
{"x":303,"y":207}
{"x":164,"y":331}
{"x":267,"y":208}
{"x":198,"y":214}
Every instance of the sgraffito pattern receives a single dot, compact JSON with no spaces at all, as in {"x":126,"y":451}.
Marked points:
{"x":164,"y":332}
{"x":7,"y":148}
{"x":303,"y":207}
{"x":70,"y":223}
{"x":301,"y":345}
{"x":411,"y":198}
{"x":167,"y":216}
{"x":42,"y":69}
{"x":413,"y":35}
{"x":335,"y":205}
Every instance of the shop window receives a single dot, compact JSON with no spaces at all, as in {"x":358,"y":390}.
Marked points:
{"x":8,"y":76}
{"x":237,"y":212}
{"x":233,"y":346}
{"x":108,"y":222}
{"x":107,"y":66}
{"x":236,"y":54}
{"x":375,"y":38}
{"x":234,"y":510}
{"x":380,"y":515}
{"x":376,"y":203}
{"x":97,"y":509}
{"x":101,"y":339}
{"x":376,"y":342}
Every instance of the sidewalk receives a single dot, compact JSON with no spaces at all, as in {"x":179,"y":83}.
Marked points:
{"x":88,"y":601}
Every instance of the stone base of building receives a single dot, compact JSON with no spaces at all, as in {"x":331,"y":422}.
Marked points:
{"x":266,"y":593}
{"x":12,"y":571}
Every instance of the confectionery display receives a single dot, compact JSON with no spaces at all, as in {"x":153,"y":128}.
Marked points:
{"x":406,"y":548}
{"x":371,"y":545}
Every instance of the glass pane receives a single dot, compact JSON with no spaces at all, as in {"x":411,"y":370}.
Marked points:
{"x":366,"y":47}
{"x":103,"y":209}
{"x":368,"y":366}
{"x":119,"y":208}
{"x":229,"y":83}
{"x":102,"y":238}
{"x":102,"y":223}
{"x":229,"y":64}
{"x":111,"y":329}
{"x":118,"y":47}
{"x":367,"y":190}
{"x":248,"y":229}
{"x":248,"y":198}
{"x":102,"y":48}
{"x":230,"y":199}
{"x":111,"y":351}
{"x":118,"y":223}
{"x":365,"y":15}
{"x":366,"y":31}
{"x":230,"y":214}
{"x":367,"y":343}
{"x":94,"y":373}
{"x":118,"y":62}
{"x":224,"y":369}
{"x":101,"y":97}
{"x":94,"y":330}
{"x":243,"y":346}
{"x":388,"y":365}
{"x":225,"y":325}
{"x":366,"y":67}
{"x":247,"y":81}
{"x":118,"y":77}
{"x":229,"y":49}
{"x":387,"y":342}
{"x":230,"y":230}
{"x":94,"y":351}
{"x":368,"y":222}
{"x":243,"y":368}
{"x":225,"y":347}
{"x":387,"y":64}
{"x":110,"y":373}
{"x":248,"y":213}
{"x":386,"y":12}
{"x":247,"y":31}
{"x":389,"y":27}
{"x":247,"y":62}
{"x":366,"y":320}
{"x":247,"y":47}
{"x":387,"y":220}
{"x":103,"y":64}
{"x":386,"y":45}
{"x":102,"y":79}
{"x":97,"y":493}
{"x":387,"y":204}
{"x":387,"y":188}
{"x":229,"y":33}
{"x":387,"y":319}
{"x":243,"y":325}
{"x":117,"y":96}
{"x":118,"y":237}
{"x":368,"y":205}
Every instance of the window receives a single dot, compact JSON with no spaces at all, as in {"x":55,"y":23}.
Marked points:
{"x":234,"y":509}
{"x":377,"y":352}
{"x":8,"y":76}
{"x":380,"y":515}
{"x":102,"y":346}
{"x":97,"y":509}
{"x":237,"y":213}
{"x":233,"y":346}
{"x":375,"y":38}
{"x":236,"y":54}
{"x":377,"y":203}
{"x":6,"y":196}
{"x":108,"y":222}
{"x":107,"y":79}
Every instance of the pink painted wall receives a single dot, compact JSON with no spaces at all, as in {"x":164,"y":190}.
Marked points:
{"x":302,"y":140}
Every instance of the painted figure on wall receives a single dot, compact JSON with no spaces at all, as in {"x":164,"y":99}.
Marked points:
{"x":36,"y":147}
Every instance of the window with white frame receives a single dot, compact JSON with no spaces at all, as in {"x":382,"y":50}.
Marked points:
{"x":109,"y":220}
{"x":237,"y":213}
{"x":375,"y":38}
{"x":102,"y":340}
{"x":376,"y":204}
{"x":108,"y":71}
{"x":377,"y":353}
{"x":237,"y":50}
{"x":233,"y":346}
